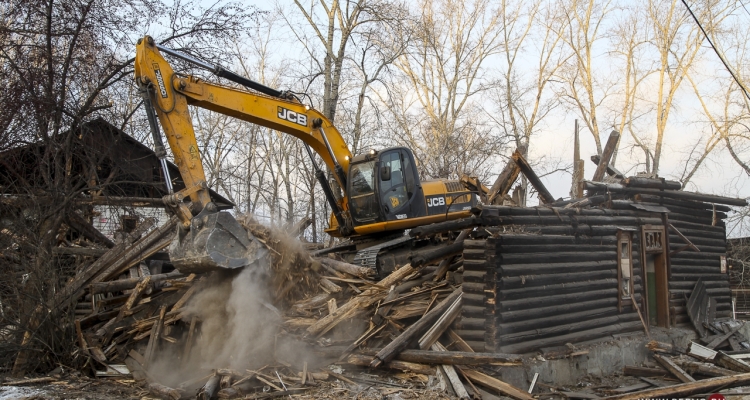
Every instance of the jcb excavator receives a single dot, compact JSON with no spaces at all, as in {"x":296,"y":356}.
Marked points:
{"x":382,"y":192}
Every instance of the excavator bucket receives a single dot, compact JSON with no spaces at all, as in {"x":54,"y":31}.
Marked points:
{"x":214,"y":241}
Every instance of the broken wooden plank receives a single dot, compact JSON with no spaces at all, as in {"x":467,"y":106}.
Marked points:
{"x":433,"y":334}
{"x":125,"y":284}
{"x":153,"y":341}
{"x":497,"y":385}
{"x":631,"y":370}
{"x":363,"y":360}
{"x":609,"y":149}
{"x":544,"y":195}
{"x":450,"y":373}
{"x":351,"y":269}
{"x":725,"y":360}
{"x":700,"y":352}
{"x":675,"y":369}
{"x":403,"y":340}
{"x":722,"y":338}
{"x":697,"y":307}
{"x":695,"y":367}
{"x":29,"y":381}
{"x":504,"y":181}
{"x":434,"y":357}
{"x":686,"y":389}
{"x":361,"y":301}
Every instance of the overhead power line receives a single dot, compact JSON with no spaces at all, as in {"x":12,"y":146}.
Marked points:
{"x":718,"y":53}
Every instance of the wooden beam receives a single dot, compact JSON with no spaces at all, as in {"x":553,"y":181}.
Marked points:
{"x":504,"y":181}
{"x":675,"y":369}
{"x":673,"y":194}
{"x":544,"y":195}
{"x":609,"y":150}
{"x":611,"y":171}
{"x":686,"y":389}
{"x":497,"y":385}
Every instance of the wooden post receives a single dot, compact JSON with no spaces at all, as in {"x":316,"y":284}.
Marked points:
{"x":609,"y":149}
{"x":576,"y":190}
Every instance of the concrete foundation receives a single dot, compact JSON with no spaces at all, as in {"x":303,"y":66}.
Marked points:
{"x":605,"y":358}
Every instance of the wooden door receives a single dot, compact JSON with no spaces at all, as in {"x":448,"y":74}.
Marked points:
{"x":655,"y":274}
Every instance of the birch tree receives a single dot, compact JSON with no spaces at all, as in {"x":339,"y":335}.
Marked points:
{"x":435,"y":108}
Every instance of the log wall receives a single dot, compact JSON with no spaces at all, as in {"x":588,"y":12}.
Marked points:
{"x":546,"y":277}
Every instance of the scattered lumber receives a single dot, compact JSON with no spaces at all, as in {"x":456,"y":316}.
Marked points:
{"x":687,"y":389}
{"x":403,"y":340}
{"x":675,"y":369}
{"x":497,"y":385}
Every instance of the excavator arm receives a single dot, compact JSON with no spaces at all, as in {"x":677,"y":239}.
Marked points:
{"x":198,"y":246}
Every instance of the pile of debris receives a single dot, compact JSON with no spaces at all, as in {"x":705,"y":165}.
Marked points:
{"x":127,"y":312}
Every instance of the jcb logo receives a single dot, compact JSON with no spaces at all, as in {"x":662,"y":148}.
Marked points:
{"x":160,"y":81}
{"x":292,"y":116}
{"x":436,"y":201}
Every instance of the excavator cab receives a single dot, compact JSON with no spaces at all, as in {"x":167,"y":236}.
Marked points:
{"x":384,"y":186}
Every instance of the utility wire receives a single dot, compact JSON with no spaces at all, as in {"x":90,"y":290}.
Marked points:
{"x":726,"y":65}
{"x":743,"y":6}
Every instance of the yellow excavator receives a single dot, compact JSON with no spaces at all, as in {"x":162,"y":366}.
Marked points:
{"x":382,"y":192}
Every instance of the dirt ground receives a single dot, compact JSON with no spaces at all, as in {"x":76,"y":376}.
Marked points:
{"x":367,"y":387}
{"x":84,"y":388}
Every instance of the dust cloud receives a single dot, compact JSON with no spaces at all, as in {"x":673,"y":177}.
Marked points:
{"x":239,"y":326}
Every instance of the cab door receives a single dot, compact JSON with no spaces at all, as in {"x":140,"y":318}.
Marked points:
{"x":398,"y":185}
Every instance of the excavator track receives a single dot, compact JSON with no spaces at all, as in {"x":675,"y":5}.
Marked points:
{"x":368,"y":257}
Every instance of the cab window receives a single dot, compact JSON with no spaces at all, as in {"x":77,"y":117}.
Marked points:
{"x":362,"y":200}
{"x":393,"y":192}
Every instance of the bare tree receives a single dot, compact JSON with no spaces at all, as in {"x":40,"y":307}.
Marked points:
{"x":64,"y":63}
{"x":585,"y":88}
{"x":435,"y":107}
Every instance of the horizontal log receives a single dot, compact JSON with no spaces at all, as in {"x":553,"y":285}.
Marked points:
{"x":555,"y":320}
{"x":433,"y":255}
{"x":715,"y":275}
{"x":365,"y":360}
{"x":559,"y":309}
{"x":522,"y":239}
{"x":450,"y":357}
{"x":556,"y":289}
{"x":478,"y":324}
{"x":687,"y":389}
{"x":553,"y":248}
{"x":699,"y":241}
{"x":510,"y":211}
{"x":646,"y":198}
{"x":679,"y":261}
{"x":559,"y":330}
{"x":695,"y":215}
{"x":541,"y":302}
{"x":351,"y":269}
{"x":652,"y":183}
{"x":528,"y":281}
{"x":708,"y":198}
{"x":596,"y":333}
{"x":581,"y":229}
{"x":558,"y":257}
{"x":696,"y":230}
{"x":508,"y":270}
